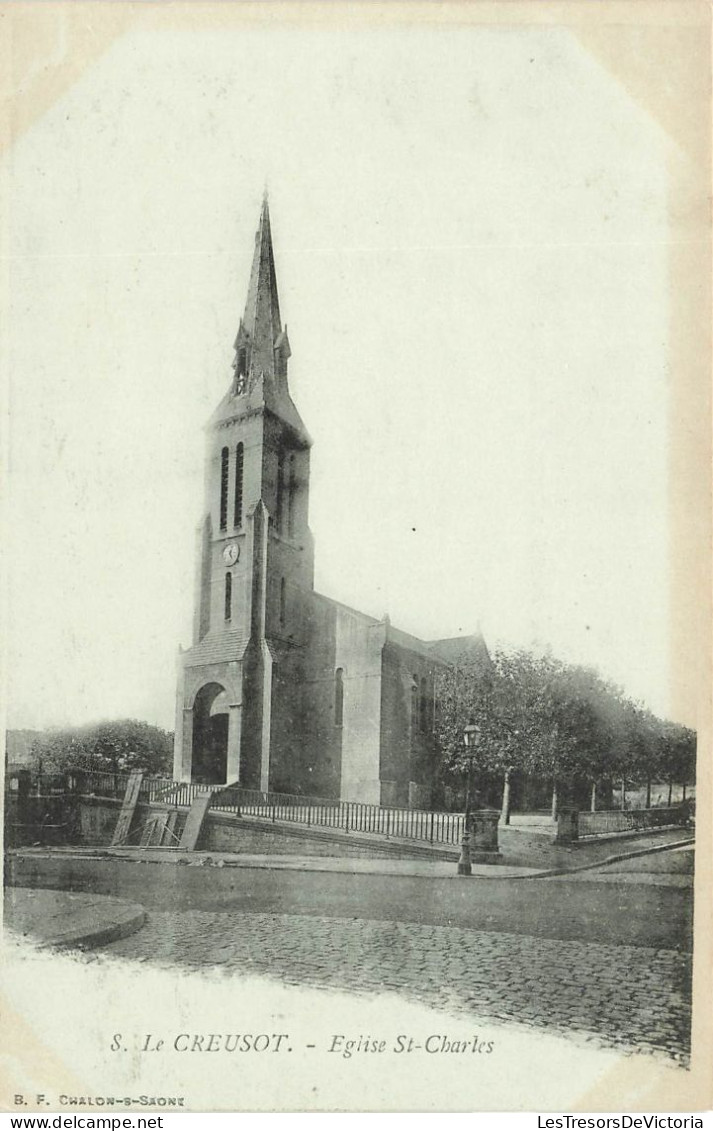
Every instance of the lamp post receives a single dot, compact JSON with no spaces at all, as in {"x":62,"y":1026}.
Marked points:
{"x":471,"y":735}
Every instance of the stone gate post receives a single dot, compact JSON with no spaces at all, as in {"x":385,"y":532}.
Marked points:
{"x":484,"y":830}
{"x":567,"y":825}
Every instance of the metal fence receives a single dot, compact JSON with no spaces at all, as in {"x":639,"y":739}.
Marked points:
{"x":350,"y":816}
{"x":629,"y":820}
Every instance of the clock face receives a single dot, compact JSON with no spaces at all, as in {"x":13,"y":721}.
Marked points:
{"x":231,"y":553}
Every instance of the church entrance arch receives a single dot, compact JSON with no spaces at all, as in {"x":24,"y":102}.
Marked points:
{"x":209,"y":764}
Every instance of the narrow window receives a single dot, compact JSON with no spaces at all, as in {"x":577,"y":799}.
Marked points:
{"x":282,"y":602}
{"x":241,"y":369}
{"x":414,"y":705}
{"x":280,"y":490}
{"x":291,"y":497}
{"x":238,"y":512}
{"x":280,"y":366}
{"x":224,"y":464}
{"x":339,"y":697}
{"x":228,"y":595}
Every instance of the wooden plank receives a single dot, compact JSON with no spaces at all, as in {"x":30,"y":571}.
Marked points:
{"x":128,"y":807}
{"x":148,"y":831}
{"x":194,"y":821}
{"x":168,"y":835}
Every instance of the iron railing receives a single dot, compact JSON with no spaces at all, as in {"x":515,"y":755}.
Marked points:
{"x":349,"y":816}
{"x":353,"y":816}
{"x":630,"y":820}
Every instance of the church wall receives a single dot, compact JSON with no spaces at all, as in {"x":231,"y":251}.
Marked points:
{"x":289,"y":756}
{"x":257,"y":673}
{"x":277,"y":436}
{"x":407,"y":744}
{"x":289,"y":573}
{"x":317,"y":768}
{"x":203,"y":579}
{"x":359,"y":644}
{"x":312,"y":752}
{"x":394,"y":765}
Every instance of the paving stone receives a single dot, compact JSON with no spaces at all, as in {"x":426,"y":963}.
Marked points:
{"x":613,"y":995}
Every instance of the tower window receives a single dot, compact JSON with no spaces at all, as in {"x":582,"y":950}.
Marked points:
{"x":280,"y":490}
{"x":339,"y":697}
{"x":238,"y":512}
{"x":414,"y":705}
{"x":241,"y":371}
{"x":228,"y":595}
{"x":291,"y":498}
{"x":424,"y":706}
{"x":224,"y":465}
{"x":280,"y":361}
{"x":282,"y":602}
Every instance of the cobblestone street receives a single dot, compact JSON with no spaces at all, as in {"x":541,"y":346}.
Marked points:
{"x":615,"y":996}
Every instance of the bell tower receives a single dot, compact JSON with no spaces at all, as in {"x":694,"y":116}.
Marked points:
{"x":255,"y":559}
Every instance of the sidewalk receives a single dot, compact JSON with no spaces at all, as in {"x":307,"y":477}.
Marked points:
{"x":520,"y":846}
{"x":69,"y":919}
{"x":61,"y":918}
{"x":518,"y":860}
{"x":355,"y":866}
{"x":551,"y":859}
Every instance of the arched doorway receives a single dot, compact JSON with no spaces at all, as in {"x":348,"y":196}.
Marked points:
{"x":209,"y":764}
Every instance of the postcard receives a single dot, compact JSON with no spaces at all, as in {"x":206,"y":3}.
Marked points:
{"x":357,"y":689}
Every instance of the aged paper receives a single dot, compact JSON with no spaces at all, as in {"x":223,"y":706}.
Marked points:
{"x":492,"y":244}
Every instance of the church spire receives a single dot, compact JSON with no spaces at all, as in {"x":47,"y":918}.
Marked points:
{"x":261,"y":347}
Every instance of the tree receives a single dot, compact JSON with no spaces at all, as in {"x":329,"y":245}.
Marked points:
{"x":554,"y":721}
{"x":590,"y":718}
{"x":529,"y":707}
{"x":677,"y":757}
{"x":474,"y":691}
{"x":645,"y":749}
{"x":514,"y":703}
{"x":118,"y":746}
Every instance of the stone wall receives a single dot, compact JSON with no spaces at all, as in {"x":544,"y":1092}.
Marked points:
{"x":226,"y":833}
{"x":221,"y":834}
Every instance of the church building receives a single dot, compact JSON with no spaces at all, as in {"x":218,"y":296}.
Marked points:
{"x":284,"y":689}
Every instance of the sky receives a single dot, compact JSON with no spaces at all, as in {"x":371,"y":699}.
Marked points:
{"x":470,"y":231}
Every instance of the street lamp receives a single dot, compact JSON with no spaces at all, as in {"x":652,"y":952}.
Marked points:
{"x":471,"y":737}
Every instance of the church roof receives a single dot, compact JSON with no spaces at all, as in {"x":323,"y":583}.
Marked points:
{"x":348,"y":609}
{"x":462,"y":649}
{"x":217,"y":648}
{"x":401,"y":639}
{"x":412,"y":643}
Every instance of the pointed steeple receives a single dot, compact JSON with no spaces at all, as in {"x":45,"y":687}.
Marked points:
{"x":261,"y":347}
